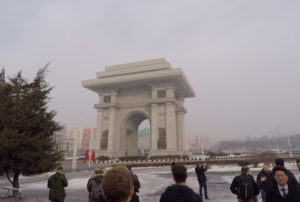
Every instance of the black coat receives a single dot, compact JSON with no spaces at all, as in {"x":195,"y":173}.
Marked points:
{"x":179,"y":193}
{"x":200,"y":171}
{"x":273,"y":194}
{"x":261,"y":174}
{"x":236,"y":183}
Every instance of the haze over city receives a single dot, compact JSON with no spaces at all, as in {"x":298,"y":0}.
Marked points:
{"x":241,"y":57}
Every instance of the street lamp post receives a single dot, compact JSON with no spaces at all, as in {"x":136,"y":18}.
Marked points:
{"x":74,"y":159}
{"x":90,"y":144}
{"x":90,"y":150}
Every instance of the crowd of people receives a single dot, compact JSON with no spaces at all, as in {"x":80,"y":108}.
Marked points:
{"x":278,"y":185}
{"x":120,"y":184}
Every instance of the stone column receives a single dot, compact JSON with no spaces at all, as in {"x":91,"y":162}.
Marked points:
{"x":99,"y":129}
{"x":171,"y":129}
{"x":111,"y":124}
{"x":181,"y":141}
{"x":154,"y":127}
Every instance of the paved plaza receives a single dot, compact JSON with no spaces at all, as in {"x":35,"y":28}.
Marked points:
{"x":153,"y":182}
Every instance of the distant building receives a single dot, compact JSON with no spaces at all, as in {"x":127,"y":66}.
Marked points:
{"x":77,"y":133}
{"x":64,"y":143}
{"x":199,"y":141}
{"x":87,"y":134}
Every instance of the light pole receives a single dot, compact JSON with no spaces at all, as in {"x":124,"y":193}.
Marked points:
{"x":90,"y":151}
{"x":90,"y":143}
{"x":74,"y":159}
{"x":286,"y":131}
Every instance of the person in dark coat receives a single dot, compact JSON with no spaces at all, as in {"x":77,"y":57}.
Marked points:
{"x":292,"y":178}
{"x":57,"y":184}
{"x":281,"y":189}
{"x":179,"y":192}
{"x":264,"y":173}
{"x":200,"y":171}
{"x":136,"y":185}
{"x":244,"y":178}
{"x":267,"y":183}
{"x":172,"y":164}
{"x":94,"y":181}
{"x":298,"y":165}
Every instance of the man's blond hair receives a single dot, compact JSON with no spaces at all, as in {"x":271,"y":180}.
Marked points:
{"x":117,"y":184}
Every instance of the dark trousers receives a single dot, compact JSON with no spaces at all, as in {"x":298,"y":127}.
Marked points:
{"x":202,"y":184}
{"x":263,"y":196}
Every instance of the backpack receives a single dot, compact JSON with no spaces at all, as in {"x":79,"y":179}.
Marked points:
{"x":96,"y":190}
{"x":245,"y":188}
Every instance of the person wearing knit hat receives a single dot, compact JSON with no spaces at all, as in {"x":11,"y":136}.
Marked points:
{"x":94,"y":186}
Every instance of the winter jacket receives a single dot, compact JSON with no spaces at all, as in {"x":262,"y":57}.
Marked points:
{"x":236,"y":183}
{"x":57,"y":184}
{"x":273,"y":194}
{"x":261,"y":174}
{"x":200,"y":171}
{"x":179,"y":193}
{"x":90,"y":185}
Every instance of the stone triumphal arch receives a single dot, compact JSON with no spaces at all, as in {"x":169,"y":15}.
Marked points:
{"x":129,"y":94}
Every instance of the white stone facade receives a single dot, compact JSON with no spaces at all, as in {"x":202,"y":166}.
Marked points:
{"x":131,"y":93}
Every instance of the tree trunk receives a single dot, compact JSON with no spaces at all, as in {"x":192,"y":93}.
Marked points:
{"x":16,"y":183}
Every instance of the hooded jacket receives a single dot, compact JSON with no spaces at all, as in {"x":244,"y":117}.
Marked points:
{"x":179,"y":193}
{"x":57,"y":184}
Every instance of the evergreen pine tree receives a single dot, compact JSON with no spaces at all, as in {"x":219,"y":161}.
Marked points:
{"x":27,"y":127}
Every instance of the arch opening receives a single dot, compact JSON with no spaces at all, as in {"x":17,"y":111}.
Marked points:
{"x":131,"y":143}
{"x":144,"y":138}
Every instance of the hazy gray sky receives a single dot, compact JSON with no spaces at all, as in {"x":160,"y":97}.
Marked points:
{"x":241,"y":56}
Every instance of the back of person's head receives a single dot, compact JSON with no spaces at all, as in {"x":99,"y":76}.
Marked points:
{"x":59,"y":169}
{"x":244,"y":170}
{"x":128,"y":166}
{"x":98,"y":171}
{"x":279,"y":162}
{"x":117,"y":185}
{"x":179,"y":173}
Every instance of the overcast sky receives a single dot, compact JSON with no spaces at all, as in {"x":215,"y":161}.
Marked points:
{"x":242,"y":57}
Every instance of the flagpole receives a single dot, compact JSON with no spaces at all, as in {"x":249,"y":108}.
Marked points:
{"x":90,"y":152}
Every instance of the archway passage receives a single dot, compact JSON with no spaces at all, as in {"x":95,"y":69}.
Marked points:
{"x":129,"y":136}
{"x":144,"y":138}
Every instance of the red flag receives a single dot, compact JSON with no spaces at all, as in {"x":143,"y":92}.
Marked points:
{"x":86,"y":156}
{"x":93,"y":156}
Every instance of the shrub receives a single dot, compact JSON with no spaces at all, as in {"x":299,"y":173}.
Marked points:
{"x":103,"y":158}
{"x":132,"y":158}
